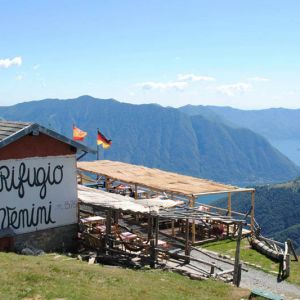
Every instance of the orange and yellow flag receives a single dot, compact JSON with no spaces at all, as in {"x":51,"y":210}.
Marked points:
{"x":78,"y":134}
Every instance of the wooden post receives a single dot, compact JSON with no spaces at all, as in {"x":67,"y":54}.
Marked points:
{"x":212,"y":269}
{"x":116,"y":217}
{"x":286,"y":262}
{"x":150,"y":227}
{"x":78,"y":212}
{"x":192,"y":204}
{"x":152,"y":254}
{"x":108,"y":242}
{"x":135,"y":191}
{"x":288,"y":266}
{"x":187,"y":240}
{"x":173,"y":228}
{"x":252,"y":211}
{"x":291,"y":249}
{"x":236,"y":276}
{"x":229,"y":204}
{"x":106,"y":183}
{"x":156,"y":230}
{"x":98,"y":156}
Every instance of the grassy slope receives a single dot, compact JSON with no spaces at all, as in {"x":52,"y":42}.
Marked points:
{"x":227,"y":247}
{"x":49,"y":277}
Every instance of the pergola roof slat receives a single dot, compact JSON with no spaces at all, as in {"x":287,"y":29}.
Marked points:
{"x":157,"y":179}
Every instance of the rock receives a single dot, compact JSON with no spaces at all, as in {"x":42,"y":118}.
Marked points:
{"x":195,"y":276}
{"x":27,"y":251}
{"x":92,"y":260}
{"x":39,"y":252}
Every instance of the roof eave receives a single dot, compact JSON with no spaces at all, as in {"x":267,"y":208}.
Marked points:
{"x":36,"y":127}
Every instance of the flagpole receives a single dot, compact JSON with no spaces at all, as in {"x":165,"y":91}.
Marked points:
{"x":98,"y":156}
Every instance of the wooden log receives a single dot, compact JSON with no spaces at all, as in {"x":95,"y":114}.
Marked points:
{"x":216,"y":258}
{"x":291,"y":249}
{"x":264,"y":249}
{"x":185,"y":257}
{"x":225,"y":272}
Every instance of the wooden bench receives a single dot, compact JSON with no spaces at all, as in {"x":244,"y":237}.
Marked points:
{"x":264,"y":294}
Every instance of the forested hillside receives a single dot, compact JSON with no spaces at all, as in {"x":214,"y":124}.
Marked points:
{"x":277,"y":209}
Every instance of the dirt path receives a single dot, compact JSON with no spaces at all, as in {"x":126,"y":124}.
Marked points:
{"x":252,"y":279}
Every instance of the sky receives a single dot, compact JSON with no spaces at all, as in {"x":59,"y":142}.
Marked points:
{"x":244,"y":54}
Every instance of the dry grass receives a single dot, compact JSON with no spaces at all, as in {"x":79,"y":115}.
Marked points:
{"x":59,"y":277}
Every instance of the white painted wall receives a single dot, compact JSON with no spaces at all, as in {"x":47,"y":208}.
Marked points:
{"x":21,"y":201}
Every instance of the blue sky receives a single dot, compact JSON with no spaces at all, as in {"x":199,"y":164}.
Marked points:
{"x":239,"y":53}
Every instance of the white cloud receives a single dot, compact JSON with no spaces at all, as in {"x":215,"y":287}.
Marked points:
{"x":234,"y":88}
{"x":261,"y":79}
{"x":7,"y":62}
{"x":150,"y":85}
{"x":193,"y":77}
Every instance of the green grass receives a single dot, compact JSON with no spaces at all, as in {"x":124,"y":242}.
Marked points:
{"x":227,"y":247}
{"x":50,"y":277}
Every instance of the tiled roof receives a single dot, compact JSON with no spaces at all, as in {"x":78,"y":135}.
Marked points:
{"x":8,"y":128}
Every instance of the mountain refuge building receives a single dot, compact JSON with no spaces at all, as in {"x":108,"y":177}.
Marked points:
{"x":38,"y":187}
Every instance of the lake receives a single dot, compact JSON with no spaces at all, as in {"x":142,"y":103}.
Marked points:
{"x":290,"y":148}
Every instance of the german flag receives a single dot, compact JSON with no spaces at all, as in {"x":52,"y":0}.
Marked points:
{"x":102,"y":140}
{"x":78,"y":134}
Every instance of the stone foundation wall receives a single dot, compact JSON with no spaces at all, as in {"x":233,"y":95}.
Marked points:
{"x":50,"y":240}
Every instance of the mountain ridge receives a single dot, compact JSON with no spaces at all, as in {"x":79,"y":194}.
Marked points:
{"x":163,"y":137}
{"x":273,"y":123}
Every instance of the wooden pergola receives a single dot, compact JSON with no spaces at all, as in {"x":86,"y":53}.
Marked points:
{"x":173,"y":184}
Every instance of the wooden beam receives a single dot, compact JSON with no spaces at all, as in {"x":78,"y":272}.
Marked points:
{"x":174,"y":191}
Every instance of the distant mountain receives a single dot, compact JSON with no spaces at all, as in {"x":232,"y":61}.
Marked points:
{"x":277,"y":209}
{"x":273,"y":123}
{"x":164,"y":138}
{"x":279,"y":125}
